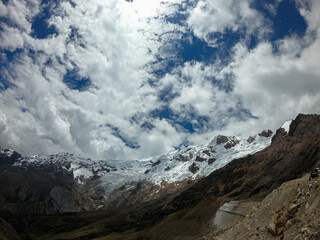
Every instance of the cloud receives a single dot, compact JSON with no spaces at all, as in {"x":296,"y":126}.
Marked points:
{"x":142,"y":97}
{"x":107,"y":47}
{"x":11,"y":38}
{"x":3,"y":121}
{"x":220,"y":15}
{"x":276,"y":86}
{"x":309,"y":9}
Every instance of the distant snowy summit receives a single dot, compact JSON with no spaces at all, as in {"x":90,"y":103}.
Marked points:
{"x":190,"y":163}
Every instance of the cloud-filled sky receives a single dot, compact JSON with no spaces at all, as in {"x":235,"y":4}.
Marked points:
{"x":126,"y":79}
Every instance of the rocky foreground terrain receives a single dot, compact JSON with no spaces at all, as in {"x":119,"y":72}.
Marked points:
{"x":267,"y":193}
{"x":291,"y":211}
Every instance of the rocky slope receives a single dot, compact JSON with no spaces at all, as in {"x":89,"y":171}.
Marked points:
{"x":291,"y":211}
{"x":190,"y":212}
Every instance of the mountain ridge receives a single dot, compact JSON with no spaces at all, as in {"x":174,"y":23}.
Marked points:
{"x":111,"y":180}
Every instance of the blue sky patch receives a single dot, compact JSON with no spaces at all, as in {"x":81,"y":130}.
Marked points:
{"x":179,"y":122}
{"x":147,"y":126}
{"x":167,"y":94}
{"x":117,"y":132}
{"x":286,"y":20}
{"x":75,"y":82}
{"x":6,"y":58}
{"x":162,"y":113}
{"x":195,"y":49}
{"x":40,"y":26}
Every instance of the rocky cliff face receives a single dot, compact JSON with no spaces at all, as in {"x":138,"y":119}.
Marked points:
{"x":44,"y":190}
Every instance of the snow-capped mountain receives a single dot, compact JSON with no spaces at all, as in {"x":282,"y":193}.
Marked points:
{"x":191,"y":163}
{"x":146,"y":197}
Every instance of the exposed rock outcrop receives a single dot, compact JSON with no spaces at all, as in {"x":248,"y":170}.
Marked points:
{"x":194,"y":168}
{"x":251,"y":139}
{"x":266,"y":133}
{"x":222,"y":139}
{"x":291,"y":211}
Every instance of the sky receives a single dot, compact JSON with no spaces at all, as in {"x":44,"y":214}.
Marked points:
{"x":130,"y":79}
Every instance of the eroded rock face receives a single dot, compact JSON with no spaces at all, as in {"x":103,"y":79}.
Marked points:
{"x":222,"y":139}
{"x":266,"y":133}
{"x":251,"y":139}
{"x":231,"y":143}
{"x":280,"y":219}
{"x":211,"y":160}
{"x":194,"y":168}
{"x":45,"y":190}
{"x":200,"y":159}
{"x":8,"y":156}
{"x":280,"y":133}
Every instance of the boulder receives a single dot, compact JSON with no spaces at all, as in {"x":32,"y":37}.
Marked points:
{"x":222,"y":139}
{"x":266,"y":133}
{"x":194,"y":168}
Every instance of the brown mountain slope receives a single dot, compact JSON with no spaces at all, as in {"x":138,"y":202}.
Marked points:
{"x":288,"y":157}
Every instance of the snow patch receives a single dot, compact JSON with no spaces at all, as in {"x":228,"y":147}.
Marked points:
{"x":286,"y":126}
{"x":7,"y":152}
{"x":172,"y":167}
{"x":80,"y":171}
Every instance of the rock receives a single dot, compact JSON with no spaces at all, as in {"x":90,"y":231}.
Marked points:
{"x":281,"y":222}
{"x":288,"y":224}
{"x":305,"y":230}
{"x":297,"y":237}
{"x":7,"y":232}
{"x":199,"y":159}
{"x":222,"y":139}
{"x":279,"y":231}
{"x":211,"y":160}
{"x":233,"y":141}
{"x":194,"y":168}
{"x":266,"y":133}
{"x":307,"y":206}
{"x":156,"y":163}
{"x":207,"y":153}
{"x":292,"y":210}
{"x":183,"y":158}
{"x":251,"y":139}
{"x":231,"y":144}
{"x":280,"y":133}
{"x":272,"y":228}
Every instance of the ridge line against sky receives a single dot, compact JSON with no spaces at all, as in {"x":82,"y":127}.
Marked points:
{"x":127,"y":79}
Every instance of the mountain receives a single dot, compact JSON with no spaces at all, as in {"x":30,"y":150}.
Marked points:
{"x":66,"y":182}
{"x":179,"y":195}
